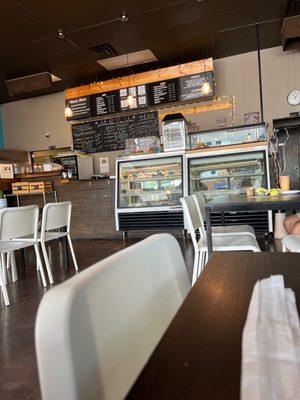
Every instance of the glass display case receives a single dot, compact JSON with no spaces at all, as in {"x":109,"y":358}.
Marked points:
{"x":150,"y":182}
{"x":228,"y":136}
{"x":230,"y":173}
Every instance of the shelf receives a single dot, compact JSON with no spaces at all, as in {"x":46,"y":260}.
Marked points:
{"x":145,"y":193}
{"x":226,"y":177}
{"x":30,"y":194}
{"x":158,"y":166}
{"x":161,"y":178}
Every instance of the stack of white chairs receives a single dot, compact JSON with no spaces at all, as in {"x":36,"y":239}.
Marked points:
{"x":19,"y":229}
{"x":222,"y":241}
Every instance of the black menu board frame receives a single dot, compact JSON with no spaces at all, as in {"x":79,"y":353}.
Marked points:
{"x":163,"y":92}
{"x":80,"y":106}
{"x":190,"y":86}
{"x":110,"y":134}
{"x":105,"y":103}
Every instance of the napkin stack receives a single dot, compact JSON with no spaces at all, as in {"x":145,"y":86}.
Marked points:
{"x":271,"y":344}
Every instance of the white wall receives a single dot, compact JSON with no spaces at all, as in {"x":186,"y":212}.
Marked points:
{"x":26,"y":122}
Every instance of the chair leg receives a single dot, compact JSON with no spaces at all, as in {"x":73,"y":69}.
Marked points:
{"x":195,"y":270}
{"x":48,"y":267}
{"x":14,"y":272}
{"x":8,"y":263}
{"x":3,"y":264}
{"x":39,"y":262}
{"x":3,"y":285}
{"x":203,"y":260}
{"x":72,"y":252}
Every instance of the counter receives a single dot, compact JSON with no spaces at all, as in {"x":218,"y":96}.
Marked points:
{"x":93,"y":206}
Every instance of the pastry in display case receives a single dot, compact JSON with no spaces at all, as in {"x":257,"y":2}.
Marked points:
{"x":228,"y":136}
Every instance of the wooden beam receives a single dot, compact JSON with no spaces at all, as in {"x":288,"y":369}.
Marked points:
{"x":215,"y":105}
{"x":142,"y":78}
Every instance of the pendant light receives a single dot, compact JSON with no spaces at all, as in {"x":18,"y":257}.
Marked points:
{"x":130,"y":98}
{"x":68,"y":112}
{"x":205,"y":88}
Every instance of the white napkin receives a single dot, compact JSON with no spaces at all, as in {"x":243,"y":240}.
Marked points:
{"x":271,"y":344}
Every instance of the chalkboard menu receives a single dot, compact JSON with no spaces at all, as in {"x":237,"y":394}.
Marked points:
{"x":110,"y":134}
{"x":81,"y":107}
{"x":191,"y":86}
{"x":105,"y":103}
{"x":163,"y":92}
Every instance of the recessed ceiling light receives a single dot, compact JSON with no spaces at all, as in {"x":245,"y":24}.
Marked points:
{"x":126,"y":60}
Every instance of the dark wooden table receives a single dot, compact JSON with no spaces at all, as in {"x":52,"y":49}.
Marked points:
{"x":199,"y":357}
{"x":241,"y":202}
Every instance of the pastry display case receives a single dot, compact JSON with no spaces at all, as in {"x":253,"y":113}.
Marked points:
{"x":227,"y":136}
{"x":148,"y":191}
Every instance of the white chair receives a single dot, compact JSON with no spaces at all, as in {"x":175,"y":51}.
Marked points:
{"x":220,"y":243}
{"x":221,"y":230}
{"x":291,"y":243}
{"x":55,"y":217}
{"x":16,"y":223}
{"x":95,"y":332}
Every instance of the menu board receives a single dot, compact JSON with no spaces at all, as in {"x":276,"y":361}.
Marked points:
{"x":81,"y":107}
{"x":139,"y":97}
{"x":110,"y":134}
{"x":105,"y":103}
{"x":191,"y":86}
{"x":163,"y":92}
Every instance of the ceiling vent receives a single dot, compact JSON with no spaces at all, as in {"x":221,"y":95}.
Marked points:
{"x":104,"y":50}
{"x":291,"y":33}
{"x":127,"y":60}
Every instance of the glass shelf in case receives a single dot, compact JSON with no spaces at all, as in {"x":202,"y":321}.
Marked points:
{"x":227,"y":174}
{"x":150,"y":183}
{"x":228,"y":136}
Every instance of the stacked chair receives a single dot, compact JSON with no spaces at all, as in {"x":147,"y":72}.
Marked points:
{"x":229,"y":238}
{"x":19,"y":229}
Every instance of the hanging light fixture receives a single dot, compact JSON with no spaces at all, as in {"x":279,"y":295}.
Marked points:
{"x":205,"y":88}
{"x":130,"y":99}
{"x":68,"y":112}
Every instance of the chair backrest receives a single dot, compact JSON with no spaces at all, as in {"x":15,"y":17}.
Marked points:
{"x":56,"y":215}
{"x":200,"y":202}
{"x":192,"y":218}
{"x":16,"y":222}
{"x":95,"y":332}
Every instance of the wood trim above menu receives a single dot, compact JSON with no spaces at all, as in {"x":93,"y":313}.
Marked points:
{"x":141,"y":78}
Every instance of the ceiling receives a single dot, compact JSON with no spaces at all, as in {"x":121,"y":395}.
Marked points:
{"x":174,"y":30}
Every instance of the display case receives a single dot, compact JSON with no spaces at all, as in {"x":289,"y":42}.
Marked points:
{"x":231,"y":171}
{"x":148,"y":192}
{"x":228,"y":136}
